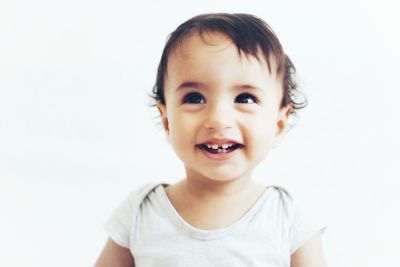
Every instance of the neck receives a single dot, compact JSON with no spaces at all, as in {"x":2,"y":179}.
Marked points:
{"x":206,"y":189}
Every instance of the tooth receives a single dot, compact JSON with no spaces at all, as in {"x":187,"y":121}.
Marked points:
{"x":209,"y":146}
{"x":223,"y":150}
{"x":219,"y":150}
{"x":225,"y":146}
{"x":214,"y":146}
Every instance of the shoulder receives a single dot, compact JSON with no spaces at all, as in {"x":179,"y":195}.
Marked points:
{"x":137,"y":195}
{"x":291,"y":201}
{"x":302,"y":217}
{"x":122,"y":221}
{"x":281,"y":191}
{"x":140,"y":193}
{"x":298,"y":211}
{"x":283,"y":197}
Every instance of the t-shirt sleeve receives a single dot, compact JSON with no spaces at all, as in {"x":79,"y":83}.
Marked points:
{"x":304,"y":224}
{"x":119,"y":224}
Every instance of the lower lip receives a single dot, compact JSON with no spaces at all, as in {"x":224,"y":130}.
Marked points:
{"x":219,"y":156}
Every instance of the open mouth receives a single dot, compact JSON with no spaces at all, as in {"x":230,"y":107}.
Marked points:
{"x":219,"y":149}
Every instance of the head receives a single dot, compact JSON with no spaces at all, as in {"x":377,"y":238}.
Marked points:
{"x":225,"y":90}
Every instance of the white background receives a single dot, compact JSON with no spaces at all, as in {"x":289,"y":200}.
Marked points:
{"x":76,"y":134}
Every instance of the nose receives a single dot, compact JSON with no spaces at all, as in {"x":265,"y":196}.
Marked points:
{"x":219,"y":116}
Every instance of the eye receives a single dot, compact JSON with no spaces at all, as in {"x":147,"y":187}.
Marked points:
{"x":246,"y":98}
{"x":193,"y":98}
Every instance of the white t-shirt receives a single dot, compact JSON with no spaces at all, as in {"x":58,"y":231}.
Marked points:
{"x":147,"y":223}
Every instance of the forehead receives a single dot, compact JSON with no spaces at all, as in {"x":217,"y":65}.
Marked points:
{"x":213,"y":53}
{"x":206,"y":41}
{"x":201,"y":44}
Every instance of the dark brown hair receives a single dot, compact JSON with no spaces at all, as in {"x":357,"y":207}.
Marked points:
{"x":251,"y":35}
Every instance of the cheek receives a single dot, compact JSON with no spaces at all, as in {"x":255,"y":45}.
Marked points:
{"x":261,"y":144}
{"x":261,"y":132}
{"x":262,"y":137}
{"x":181,"y":130}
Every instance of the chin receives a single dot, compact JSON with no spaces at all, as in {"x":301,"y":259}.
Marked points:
{"x":221,"y":176}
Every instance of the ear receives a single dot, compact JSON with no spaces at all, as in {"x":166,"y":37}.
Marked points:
{"x":163,"y":114}
{"x":282,"y":124}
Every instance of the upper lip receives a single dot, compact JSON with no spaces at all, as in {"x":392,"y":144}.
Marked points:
{"x":219,"y":141}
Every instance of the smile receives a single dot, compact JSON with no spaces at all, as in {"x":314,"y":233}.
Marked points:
{"x":219,"y":149}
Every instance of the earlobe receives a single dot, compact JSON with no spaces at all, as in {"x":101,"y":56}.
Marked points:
{"x":283,"y":118}
{"x":281,"y":124}
{"x":163,"y":114}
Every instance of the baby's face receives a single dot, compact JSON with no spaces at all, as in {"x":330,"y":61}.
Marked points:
{"x":222,"y":113}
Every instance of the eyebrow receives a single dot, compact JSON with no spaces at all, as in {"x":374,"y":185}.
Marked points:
{"x":200,"y":85}
{"x":191,"y":84}
{"x":248,"y":86}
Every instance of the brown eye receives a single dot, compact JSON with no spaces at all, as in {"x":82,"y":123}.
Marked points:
{"x":246,"y":98}
{"x":193,"y":98}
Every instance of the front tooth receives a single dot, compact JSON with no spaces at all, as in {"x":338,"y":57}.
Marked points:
{"x":214,"y":146}
{"x":225,"y":146}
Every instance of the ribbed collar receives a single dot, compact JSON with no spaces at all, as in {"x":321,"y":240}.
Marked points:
{"x":197,"y":233}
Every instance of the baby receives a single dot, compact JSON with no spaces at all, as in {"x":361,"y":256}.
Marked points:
{"x":225,"y":90}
